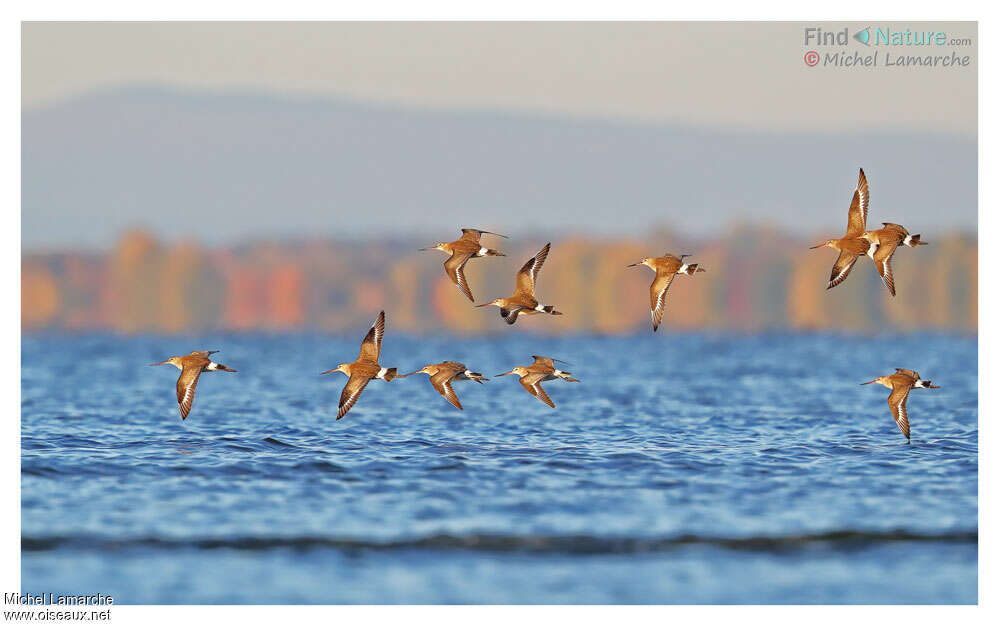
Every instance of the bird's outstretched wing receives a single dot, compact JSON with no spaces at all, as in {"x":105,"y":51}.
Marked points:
{"x":371,"y":347}
{"x":510,"y":315}
{"x":442,"y":383}
{"x":532,"y":383}
{"x":203,"y":353}
{"x":186,"y":385}
{"x":351,"y":392}
{"x":841,"y":268}
{"x":897,"y":228}
{"x":882,"y":262}
{"x":473,"y":234}
{"x":544,"y":360}
{"x":547,"y":361}
{"x":896,"y":402}
{"x":857,"y":219}
{"x":527,"y":277}
{"x":657,"y":297}
{"x":455,"y":268}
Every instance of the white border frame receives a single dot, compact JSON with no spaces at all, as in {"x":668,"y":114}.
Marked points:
{"x":842,"y":10}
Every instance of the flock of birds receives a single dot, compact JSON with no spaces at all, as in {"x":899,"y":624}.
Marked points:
{"x":879,"y":245}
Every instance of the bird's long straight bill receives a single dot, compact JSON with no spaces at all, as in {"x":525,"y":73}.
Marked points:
{"x":479,"y":306}
{"x":160,"y":363}
{"x":869,"y":382}
{"x":505,"y":374}
{"x":817,"y":246}
{"x":328,"y":371}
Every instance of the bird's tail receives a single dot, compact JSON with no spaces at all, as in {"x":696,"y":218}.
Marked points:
{"x":491,"y":252}
{"x":914,"y":240}
{"x":926,"y":384}
{"x":550,"y":309}
{"x":692,"y":269}
{"x":390,"y":373}
{"x":566,"y":376}
{"x":224,"y":368}
{"x":476,"y":376}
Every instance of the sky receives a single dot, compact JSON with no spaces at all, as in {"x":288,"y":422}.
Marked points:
{"x":228,"y":132}
{"x":723,"y":73}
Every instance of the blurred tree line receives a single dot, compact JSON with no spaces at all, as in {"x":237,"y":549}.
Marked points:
{"x":758,"y":279}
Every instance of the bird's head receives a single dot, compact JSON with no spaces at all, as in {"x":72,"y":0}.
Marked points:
{"x":825,"y":244}
{"x":496,"y":302}
{"x":429,"y":370}
{"x":881,"y":380}
{"x":644,"y":261}
{"x":174,"y":360}
{"x":519,"y":371}
{"x":437,"y":246}
{"x":343,"y":367}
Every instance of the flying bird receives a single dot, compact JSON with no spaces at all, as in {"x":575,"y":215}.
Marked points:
{"x":461,"y":250}
{"x":443,"y":374}
{"x":900,"y":383}
{"x":852,"y":245}
{"x":884,"y":241}
{"x":666,"y":268}
{"x":366,"y":367}
{"x":523,"y":300}
{"x":190,"y":367}
{"x":543,"y":369}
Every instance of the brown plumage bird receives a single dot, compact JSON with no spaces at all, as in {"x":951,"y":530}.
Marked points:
{"x":461,"y":250}
{"x":884,"y":241}
{"x":541,"y":370}
{"x":523,"y":300}
{"x":443,"y":374}
{"x":190,"y":367}
{"x":366,"y":367}
{"x":900,"y":383}
{"x":666,"y":268}
{"x":852,"y":245}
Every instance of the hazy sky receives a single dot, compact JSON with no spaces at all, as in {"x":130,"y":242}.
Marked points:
{"x":197,"y":129}
{"x":732,"y":74}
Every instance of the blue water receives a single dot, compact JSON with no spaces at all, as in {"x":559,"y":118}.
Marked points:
{"x":682,"y":469}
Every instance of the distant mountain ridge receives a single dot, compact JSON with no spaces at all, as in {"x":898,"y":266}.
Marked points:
{"x":228,"y":166}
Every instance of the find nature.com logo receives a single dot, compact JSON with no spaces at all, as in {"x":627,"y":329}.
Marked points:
{"x":929,"y":40}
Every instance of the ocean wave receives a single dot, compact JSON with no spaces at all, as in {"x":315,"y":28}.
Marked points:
{"x":533,"y":544}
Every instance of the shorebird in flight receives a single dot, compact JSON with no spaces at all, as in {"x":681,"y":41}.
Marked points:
{"x":666,"y":268}
{"x":461,"y":250}
{"x":443,"y":374}
{"x":536,"y":373}
{"x":364,"y":368}
{"x":523,"y":300}
{"x":190,"y":367}
{"x":900,"y":383}
{"x":884,"y":241}
{"x":852,"y":245}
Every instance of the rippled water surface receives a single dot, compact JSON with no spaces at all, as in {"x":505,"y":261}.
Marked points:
{"x":682,"y":469}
